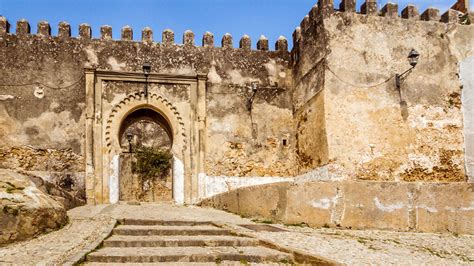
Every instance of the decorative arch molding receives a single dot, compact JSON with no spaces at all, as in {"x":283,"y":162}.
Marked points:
{"x":155,"y":102}
{"x":186,"y":121}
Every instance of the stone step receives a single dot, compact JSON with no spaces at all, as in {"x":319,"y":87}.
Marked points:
{"x":162,"y":222}
{"x":143,"y":230}
{"x":175,"y":263}
{"x":188,"y":254}
{"x":178,"y":241}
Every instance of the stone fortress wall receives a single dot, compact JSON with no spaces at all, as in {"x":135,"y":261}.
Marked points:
{"x":350,"y":122}
{"x":327,"y":110}
{"x":44,"y":116}
{"x":366,"y":160}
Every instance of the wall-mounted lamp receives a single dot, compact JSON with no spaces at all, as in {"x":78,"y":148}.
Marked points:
{"x":252,"y":97}
{"x":129,"y":139}
{"x":146,"y":71}
{"x":413,"y":56}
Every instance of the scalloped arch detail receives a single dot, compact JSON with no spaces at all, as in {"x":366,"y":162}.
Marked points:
{"x":130,"y":102}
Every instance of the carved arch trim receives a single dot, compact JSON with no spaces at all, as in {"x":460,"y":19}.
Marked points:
{"x":156,"y":102}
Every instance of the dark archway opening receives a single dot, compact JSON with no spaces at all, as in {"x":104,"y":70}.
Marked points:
{"x":150,"y":132}
{"x":148,"y":128}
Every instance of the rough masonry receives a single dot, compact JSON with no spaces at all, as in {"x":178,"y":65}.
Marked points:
{"x":328,"y":110}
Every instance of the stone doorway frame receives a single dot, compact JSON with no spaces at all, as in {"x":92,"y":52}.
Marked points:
{"x":102,"y":148}
{"x":115,"y":184}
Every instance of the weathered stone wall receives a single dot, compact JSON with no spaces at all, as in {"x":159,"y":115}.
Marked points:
{"x":308,"y":58}
{"x":41,"y":117}
{"x":42,"y":96}
{"x":401,"y":206}
{"x":345,"y":66}
{"x":327,"y":110}
{"x":244,"y":141}
{"x":350,"y":123}
{"x":371,"y":134}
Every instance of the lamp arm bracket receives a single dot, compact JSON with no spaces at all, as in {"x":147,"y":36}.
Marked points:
{"x":399,"y":78}
{"x":407,"y":71}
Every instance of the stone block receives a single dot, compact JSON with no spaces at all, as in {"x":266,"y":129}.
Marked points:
{"x":305,"y":23}
{"x":85,"y":31}
{"x":227,"y":201}
{"x":227,"y":41}
{"x":262,"y":43}
{"x":127,"y":33}
{"x":347,"y":6}
{"x":447,"y":207}
{"x":381,"y":205}
{"x":311,"y":203}
{"x":245,"y":43}
{"x":22,"y":27}
{"x":281,"y":44}
{"x":450,"y":16}
{"x":167,"y":37}
{"x":44,"y":29}
{"x":64,"y":30}
{"x":313,"y":13}
{"x":390,"y":10}
{"x":369,"y":7}
{"x":264,"y":201}
{"x":296,"y":36}
{"x":326,"y":7}
{"x":410,"y":12}
{"x":106,"y":32}
{"x":461,"y":6}
{"x":431,"y":14}
{"x":208,"y":40}
{"x":147,"y":35}
{"x":188,"y":38}
{"x":4,"y":26}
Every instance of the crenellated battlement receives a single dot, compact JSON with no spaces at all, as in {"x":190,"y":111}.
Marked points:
{"x":325,"y":8}
{"x":168,"y":36}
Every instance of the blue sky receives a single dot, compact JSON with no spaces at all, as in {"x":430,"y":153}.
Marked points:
{"x":237,"y":17}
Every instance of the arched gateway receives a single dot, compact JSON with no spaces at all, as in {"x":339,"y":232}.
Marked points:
{"x":117,"y":104}
{"x":146,"y":140}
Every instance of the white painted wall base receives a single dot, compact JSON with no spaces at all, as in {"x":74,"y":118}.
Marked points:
{"x":466,"y":74}
{"x":318,"y":174}
{"x":178,"y":181}
{"x":114,"y":179}
{"x":213,"y":185}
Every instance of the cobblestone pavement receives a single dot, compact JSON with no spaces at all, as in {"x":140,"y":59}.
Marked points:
{"x":56,"y":247}
{"x":90,"y":224}
{"x":379,"y":247}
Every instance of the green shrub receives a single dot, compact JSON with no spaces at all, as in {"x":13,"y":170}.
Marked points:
{"x":465,"y":19}
{"x":152,"y":162}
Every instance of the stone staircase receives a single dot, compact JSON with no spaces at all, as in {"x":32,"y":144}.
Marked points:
{"x":178,"y":242}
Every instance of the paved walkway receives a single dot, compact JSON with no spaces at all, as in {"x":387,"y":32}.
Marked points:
{"x":90,"y":224}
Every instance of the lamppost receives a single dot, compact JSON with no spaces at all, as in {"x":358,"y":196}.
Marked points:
{"x":129,"y":139}
{"x":412,"y":60}
{"x":146,"y":71}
